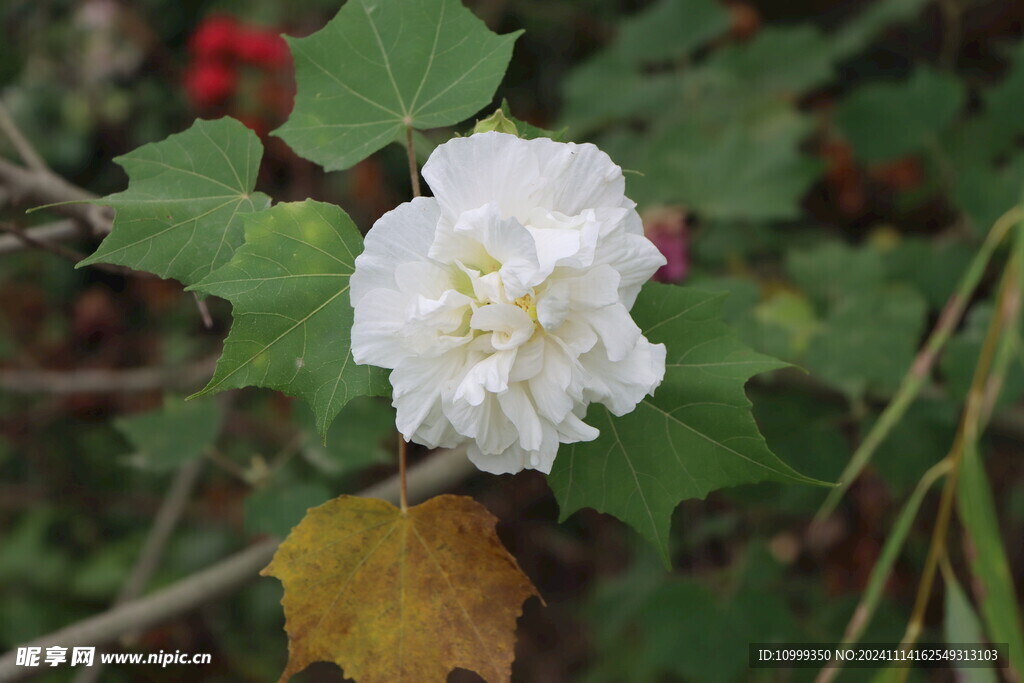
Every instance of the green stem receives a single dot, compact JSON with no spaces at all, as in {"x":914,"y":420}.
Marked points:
{"x":966,"y":437}
{"x":917,"y":375}
{"x":883,"y":567}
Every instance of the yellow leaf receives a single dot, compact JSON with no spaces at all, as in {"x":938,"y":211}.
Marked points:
{"x":396,"y":597}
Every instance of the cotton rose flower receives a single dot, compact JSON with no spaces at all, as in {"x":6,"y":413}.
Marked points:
{"x":502,"y":303}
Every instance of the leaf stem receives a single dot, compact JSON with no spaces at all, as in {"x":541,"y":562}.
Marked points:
{"x":403,"y":496}
{"x":414,"y":173}
{"x":919,"y":371}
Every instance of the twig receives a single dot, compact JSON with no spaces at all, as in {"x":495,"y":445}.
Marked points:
{"x":43,"y":187}
{"x":920,"y":370}
{"x":21,"y":144}
{"x":51,"y":232}
{"x":414,"y":173}
{"x":33,"y":241}
{"x":433,"y":476}
{"x":166,"y":520}
{"x":70,"y":382}
{"x":228,"y":465}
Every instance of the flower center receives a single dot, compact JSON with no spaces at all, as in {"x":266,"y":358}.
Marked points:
{"x":527,"y":303}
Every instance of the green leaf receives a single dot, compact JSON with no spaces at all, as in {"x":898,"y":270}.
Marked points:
{"x":361,"y":436}
{"x":382,"y":65}
{"x":289,"y":288}
{"x":695,"y":435}
{"x":275,"y":510}
{"x":857,"y":33}
{"x":656,"y":627}
{"x":888,"y":120}
{"x":868,"y":340}
{"x":961,"y":625}
{"x":831,"y":271}
{"x":181,"y":216}
{"x":670,"y":29}
{"x":989,"y":565}
{"x":996,"y":129}
{"x":707,"y":165}
{"x":167,"y":438}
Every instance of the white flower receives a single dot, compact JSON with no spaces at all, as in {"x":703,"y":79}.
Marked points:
{"x":502,"y":303}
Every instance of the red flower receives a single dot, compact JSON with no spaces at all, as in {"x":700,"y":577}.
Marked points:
{"x":262,"y":48}
{"x":210,"y":83}
{"x":215,"y":37}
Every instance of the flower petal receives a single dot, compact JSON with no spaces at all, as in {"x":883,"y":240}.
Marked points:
{"x":400,"y":236}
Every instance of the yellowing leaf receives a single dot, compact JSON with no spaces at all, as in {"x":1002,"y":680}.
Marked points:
{"x":396,"y":597}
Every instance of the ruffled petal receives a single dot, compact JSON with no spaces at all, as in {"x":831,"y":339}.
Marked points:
{"x":519,"y":175}
{"x":377,"y":332}
{"x":621,"y":385}
{"x":398,"y":237}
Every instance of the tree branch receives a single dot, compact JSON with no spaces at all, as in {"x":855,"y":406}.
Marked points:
{"x":435,"y":475}
{"x":51,"y":232}
{"x":44,"y":187}
{"x":58,"y":383}
{"x":21,"y":145}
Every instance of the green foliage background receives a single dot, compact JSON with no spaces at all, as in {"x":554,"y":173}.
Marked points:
{"x":838,"y":164}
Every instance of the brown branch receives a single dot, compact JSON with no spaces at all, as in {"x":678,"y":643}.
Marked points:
{"x":57,"y":231}
{"x":28,"y":187}
{"x":65,"y":383}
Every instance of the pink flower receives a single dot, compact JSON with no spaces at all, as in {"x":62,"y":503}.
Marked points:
{"x":669,"y":229}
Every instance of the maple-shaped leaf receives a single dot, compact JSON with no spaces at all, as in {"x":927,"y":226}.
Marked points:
{"x":695,"y":435}
{"x":288,"y":285}
{"x":382,"y":65}
{"x":181,"y":216}
{"x":400,"y":597}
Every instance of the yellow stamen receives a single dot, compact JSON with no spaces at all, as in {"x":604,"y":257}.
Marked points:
{"x":527,"y":303}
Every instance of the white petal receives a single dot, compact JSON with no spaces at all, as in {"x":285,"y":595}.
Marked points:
{"x":550,"y":388}
{"x":621,"y":385}
{"x":400,"y":236}
{"x":520,"y":410}
{"x":377,"y":331}
{"x":488,"y":375}
{"x":572,"y":430}
{"x":635,"y":258}
{"x":516,"y":458}
{"x":466,"y":173}
{"x":491,"y":429}
{"x":419,"y":385}
{"x":616,"y":329}
{"x":510,"y":325}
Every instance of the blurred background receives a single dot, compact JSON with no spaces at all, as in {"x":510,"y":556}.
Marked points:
{"x":834,"y":164}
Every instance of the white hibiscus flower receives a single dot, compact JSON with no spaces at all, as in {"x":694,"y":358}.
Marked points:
{"x":502,"y":303}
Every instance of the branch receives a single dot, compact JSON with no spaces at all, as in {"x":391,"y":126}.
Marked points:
{"x":435,"y":475}
{"x":52,"y":232}
{"x":44,"y":187}
{"x":25,"y":150}
{"x":70,"y":382}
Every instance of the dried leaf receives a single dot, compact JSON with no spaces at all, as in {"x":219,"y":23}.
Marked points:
{"x":399,"y":597}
